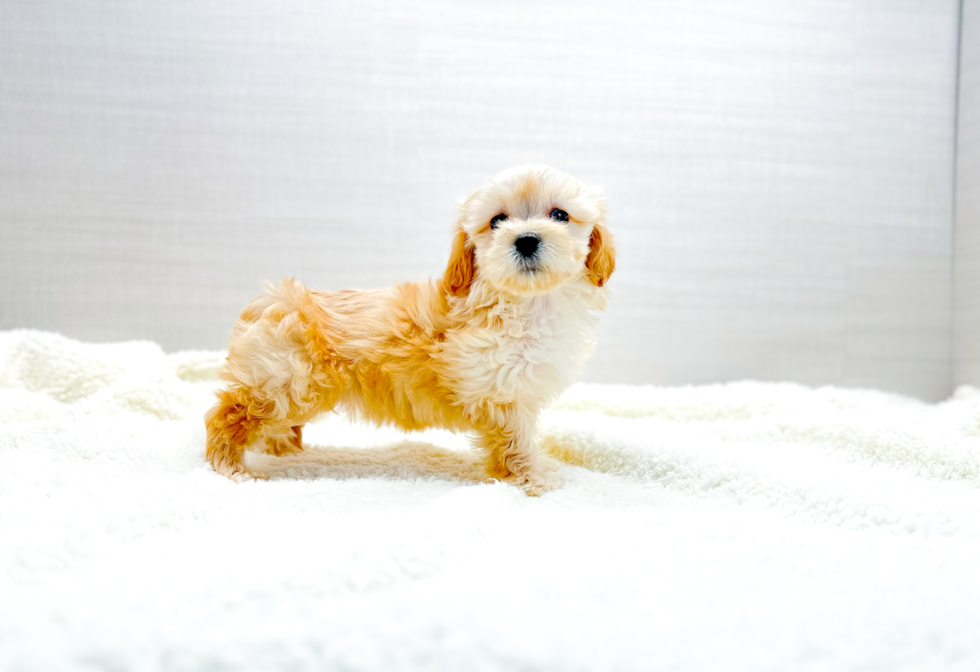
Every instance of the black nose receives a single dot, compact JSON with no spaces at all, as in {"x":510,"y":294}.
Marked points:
{"x":527,"y":244}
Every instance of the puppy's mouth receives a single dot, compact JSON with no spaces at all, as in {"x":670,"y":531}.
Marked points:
{"x":528,"y":266}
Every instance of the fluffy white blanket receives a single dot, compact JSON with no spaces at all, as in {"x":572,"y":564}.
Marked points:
{"x":750,"y":526}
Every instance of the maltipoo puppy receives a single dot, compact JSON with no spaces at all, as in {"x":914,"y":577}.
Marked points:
{"x":482,"y":350}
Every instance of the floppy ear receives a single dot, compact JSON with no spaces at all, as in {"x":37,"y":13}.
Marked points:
{"x":462,"y":266}
{"x":601,"y":262}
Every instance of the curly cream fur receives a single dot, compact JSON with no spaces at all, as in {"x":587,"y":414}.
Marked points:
{"x":482,"y":350}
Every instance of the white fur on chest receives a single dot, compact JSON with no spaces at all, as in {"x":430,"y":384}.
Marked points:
{"x":532,"y":350}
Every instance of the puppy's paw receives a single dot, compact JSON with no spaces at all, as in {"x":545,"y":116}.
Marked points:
{"x":542,"y":480}
{"x":233,"y":470}
{"x":548,"y":465}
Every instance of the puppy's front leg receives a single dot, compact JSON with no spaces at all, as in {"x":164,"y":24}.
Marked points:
{"x":512,"y":454}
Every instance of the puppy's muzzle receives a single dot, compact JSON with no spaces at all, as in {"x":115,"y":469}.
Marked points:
{"x":527,"y":245}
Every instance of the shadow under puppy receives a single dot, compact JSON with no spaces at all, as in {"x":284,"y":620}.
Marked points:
{"x":507,"y":328}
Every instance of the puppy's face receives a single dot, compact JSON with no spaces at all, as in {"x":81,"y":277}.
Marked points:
{"x":532,"y":228}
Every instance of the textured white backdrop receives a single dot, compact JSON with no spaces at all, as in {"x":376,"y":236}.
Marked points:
{"x":779,"y":174}
{"x":967,"y":283}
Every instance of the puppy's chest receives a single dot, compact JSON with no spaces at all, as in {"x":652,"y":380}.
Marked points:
{"x":535,"y":350}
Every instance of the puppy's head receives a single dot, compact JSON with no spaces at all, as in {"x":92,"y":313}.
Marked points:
{"x":529,"y":230}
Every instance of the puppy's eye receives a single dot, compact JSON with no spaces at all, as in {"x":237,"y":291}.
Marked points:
{"x":496,"y":220}
{"x":559,"y":215}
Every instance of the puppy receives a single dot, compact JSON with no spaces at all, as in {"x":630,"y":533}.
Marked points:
{"x":507,"y":328}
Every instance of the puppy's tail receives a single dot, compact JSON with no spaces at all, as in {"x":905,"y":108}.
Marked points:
{"x":283,"y":294}
{"x":283,"y":351}
{"x":267,"y":350}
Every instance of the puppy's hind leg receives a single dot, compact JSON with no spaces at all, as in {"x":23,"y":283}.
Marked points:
{"x":233,"y":424}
